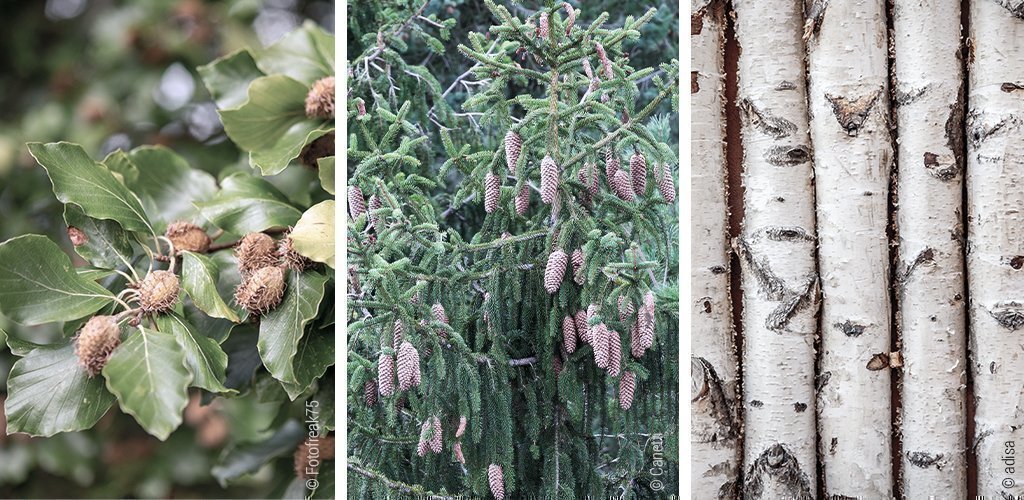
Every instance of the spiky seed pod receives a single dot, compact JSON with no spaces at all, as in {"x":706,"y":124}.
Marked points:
{"x":569,"y":334}
{"x":522,"y":200}
{"x":439,"y":314}
{"x":645,"y":322}
{"x":421,"y":446}
{"x":513,"y":146}
{"x":543,"y":28}
{"x":186,"y":236}
{"x":614,"y":353}
{"x":370,"y":393}
{"x":556,"y":363}
{"x":320,"y":99}
{"x":374,"y":204}
{"x":666,"y":184}
{"x":623,"y":186}
{"x":582,"y":328}
{"x":158,"y":291}
{"x":95,"y":342}
{"x":634,"y":341}
{"x":555,"y":270}
{"x":255,"y":251}
{"x":462,"y":426}
{"x":627,"y":386}
{"x":361,"y":107}
{"x":578,"y":271}
{"x":638,"y":170}
{"x":408,"y":366}
{"x":290,"y":258}
{"x":435,"y":441}
{"x":587,"y":69}
{"x":599,"y":339}
{"x":356,"y":202}
{"x":386,"y":375}
{"x":570,"y":17}
{"x":492,"y":192}
{"x":605,"y":62}
{"x":592,"y":183}
{"x":457,"y":448}
{"x":611,"y":165}
{"x":581,"y":175}
{"x":496,"y":479}
{"x":396,"y":334}
{"x":625,"y":308}
{"x":262,"y":291}
{"x":548,"y":179}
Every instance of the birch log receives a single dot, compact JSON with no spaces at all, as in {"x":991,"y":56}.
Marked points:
{"x":995,"y":257}
{"x":928,"y":100}
{"x":847,"y":68}
{"x":776,"y":250}
{"x":715,"y":430}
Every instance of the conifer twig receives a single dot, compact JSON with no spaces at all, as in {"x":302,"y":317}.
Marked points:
{"x":412,"y":489}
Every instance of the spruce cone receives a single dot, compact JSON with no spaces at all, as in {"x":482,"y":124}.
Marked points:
{"x":496,"y":478}
{"x":582,"y":328}
{"x":290,"y":258}
{"x":605,"y":62}
{"x":581,"y":175}
{"x":95,"y":343}
{"x":439,"y":315}
{"x":255,"y":251}
{"x":356,"y":202}
{"x":666,"y":186}
{"x":623,"y":186}
{"x":548,"y":179}
{"x":577,"y":267}
{"x":638,"y":170}
{"x":625,"y":308}
{"x":555,"y":270}
{"x":408,"y":366}
{"x":556,"y":363}
{"x":544,"y":29}
{"x":462,"y":427}
{"x":592,"y":183}
{"x":421,"y":446}
{"x":522,"y":200}
{"x":262,"y":291}
{"x":611,"y":165}
{"x":158,"y":292}
{"x":396,"y":335}
{"x":386,"y":375}
{"x":492,"y":192}
{"x":599,"y":339}
{"x":645,"y":323}
{"x":570,"y":18}
{"x":374,"y":204}
{"x":627,"y":385}
{"x":435,"y":441}
{"x":320,"y":100}
{"x":513,"y":146}
{"x":370,"y":393}
{"x":458,"y":452}
{"x":361,"y":107}
{"x":569,"y":334}
{"x":614,"y":353}
{"x":187,"y":237}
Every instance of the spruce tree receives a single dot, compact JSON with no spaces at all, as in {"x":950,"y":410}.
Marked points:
{"x":468,"y":275}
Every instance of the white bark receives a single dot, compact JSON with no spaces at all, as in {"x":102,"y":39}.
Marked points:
{"x":995,"y":256}
{"x":776,"y":251}
{"x":929,"y":280}
{"x":715,"y":430}
{"x":849,"y":104}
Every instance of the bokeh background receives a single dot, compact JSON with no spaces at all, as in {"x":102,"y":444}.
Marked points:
{"x":119,"y":74}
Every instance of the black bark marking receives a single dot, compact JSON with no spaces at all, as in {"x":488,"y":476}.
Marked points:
{"x":814,"y":12}
{"x":980,"y":132}
{"x":756,"y":404}
{"x":1009,"y":315}
{"x":832,"y":446}
{"x":1010,"y":87}
{"x":1016,"y":7}
{"x":799,"y":407}
{"x":776,"y":473}
{"x":773,"y":287}
{"x":903,"y":275}
{"x":785,"y":85}
{"x":955,"y":126}
{"x":904,"y":97}
{"x":821,"y":380}
{"x":718,"y":270}
{"x":788,"y":156}
{"x":878,"y":362}
{"x":706,"y":389}
{"x":850,"y":329}
{"x":694,"y":83}
{"x":851,"y":113}
{"x":992,"y":368}
{"x":1017,"y":261}
{"x":792,"y":302}
{"x":925,"y":460}
{"x":768,"y":283}
{"x":940,"y":167}
{"x":764,"y":121}
{"x":707,"y":306}
{"x":785,"y":233}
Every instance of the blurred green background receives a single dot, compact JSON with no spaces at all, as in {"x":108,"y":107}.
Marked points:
{"x":107,"y":75}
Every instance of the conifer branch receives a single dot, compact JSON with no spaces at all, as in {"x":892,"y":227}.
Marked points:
{"x":411,"y":489}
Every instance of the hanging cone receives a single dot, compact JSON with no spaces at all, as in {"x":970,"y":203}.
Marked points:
{"x":386,"y":375}
{"x":408,"y":366}
{"x":495,"y":478}
{"x":622,"y":186}
{"x":370,"y":393}
{"x":627,"y":385}
{"x":421,"y":446}
{"x":458,"y":452}
{"x":569,"y":334}
{"x":522,"y":200}
{"x":582,"y":176}
{"x":462,"y":427}
{"x":605,"y":62}
{"x":614,"y":353}
{"x":645,"y":323}
{"x":492,"y":192}
{"x":435,"y":441}
{"x":625,"y":308}
{"x":548,"y":179}
{"x":578,"y":273}
{"x":356,"y":202}
{"x":611,"y":165}
{"x":599,"y":339}
{"x":570,"y":18}
{"x":544,"y":29}
{"x":397,"y":335}
{"x":666,"y":184}
{"x":582,"y":328}
{"x":638,"y":171}
{"x":513,"y":146}
{"x":555,"y":270}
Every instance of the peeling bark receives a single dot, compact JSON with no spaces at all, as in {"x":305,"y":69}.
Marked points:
{"x":848,"y":89}
{"x":715,"y":431}
{"x":995,"y":228}
{"x":776,"y":253}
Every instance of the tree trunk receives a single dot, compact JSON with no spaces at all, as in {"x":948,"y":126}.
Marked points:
{"x":853,"y":154}
{"x":929,"y":281}
{"x":715,"y":431}
{"x":995,"y":258}
{"x":776,"y":251}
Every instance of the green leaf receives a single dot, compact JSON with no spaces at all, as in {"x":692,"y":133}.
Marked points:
{"x":49,"y":393}
{"x":248,"y":204}
{"x":167,"y":184}
{"x":275,"y":104}
{"x":203,"y":355}
{"x":313,"y":235}
{"x":314,"y":355}
{"x":107,"y":244}
{"x":275,"y":158}
{"x":325,"y":166}
{"x":228,"y":78}
{"x":148,"y":375}
{"x":282,"y":328}
{"x":306,"y":54}
{"x":79,"y":179}
{"x":249,"y":458}
{"x":38,"y":285}
{"x":199,"y":277}
{"x":122,"y":168}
